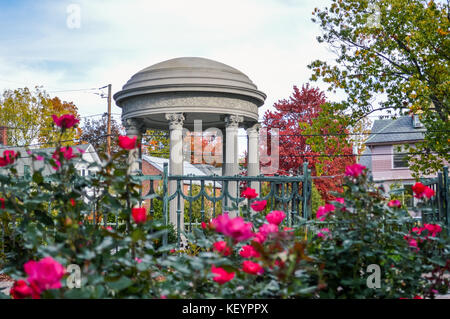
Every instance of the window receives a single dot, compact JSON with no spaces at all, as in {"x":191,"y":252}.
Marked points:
{"x":399,"y":158}
{"x":416,"y":122}
{"x":408,"y":198}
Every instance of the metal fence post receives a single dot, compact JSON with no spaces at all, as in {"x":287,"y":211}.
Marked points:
{"x":446,"y":199}
{"x":305,"y":190}
{"x":165,"y":200}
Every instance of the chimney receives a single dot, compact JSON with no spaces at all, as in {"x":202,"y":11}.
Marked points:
{"x":3,"y":135}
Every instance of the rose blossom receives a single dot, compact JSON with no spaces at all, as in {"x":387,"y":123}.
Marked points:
{"x":127,"y":143}
{"x":222,"y":275}
{"x":235,"y":227}
{"x":249,"y":193}
{"x":322,"y":232}
{"x":354,"y":170}
{"x":259,"y":205}
{"x":433,"y":229}
{"x":275,"y":217}
{"x":139,"y":215}
{"x":395,"y":203}
{"x":65,"y":121}
{"x":45,"y":273}
{"x":2,"y":203}
{"x":8,"y":158}
{"x":323,"y":211}
{"x":222,"y":248}
{"x":421,"y":190}
{"x":248,"y":251}
{"x":252,"y":268}
{"x":266,"y":229}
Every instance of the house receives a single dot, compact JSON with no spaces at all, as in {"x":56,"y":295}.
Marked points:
{"x":387,"y":164}
{"x":25,"y":164}
{"x":152,"y":165}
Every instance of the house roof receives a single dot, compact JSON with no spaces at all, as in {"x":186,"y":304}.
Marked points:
{"x":26,"y":159}
{"x":188,"y":168}
{"x":395,"y":131}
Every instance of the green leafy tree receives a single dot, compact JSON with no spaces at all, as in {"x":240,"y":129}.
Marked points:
{"x":28,"y":115}
{"x":392,"y":55}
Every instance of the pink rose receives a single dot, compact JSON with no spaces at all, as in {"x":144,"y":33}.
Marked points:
{"x":354,"y":170}
{"x":45,"y":273}
{"x":127,"y":143}
{"x":433,"y":229}
{"x":323,"y":211}
{"x":266,"y":229}
{"x":236,"y":227}
{"x":65,"y":121}
{"x":323,"y":232}
{"x":395,"y":203}
{"x":275,"y":217}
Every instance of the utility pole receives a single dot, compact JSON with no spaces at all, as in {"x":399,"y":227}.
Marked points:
{"x":108,"y":138}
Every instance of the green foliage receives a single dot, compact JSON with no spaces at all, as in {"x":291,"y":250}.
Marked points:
{"x":132,"y":261}
{"x":392,"y":55}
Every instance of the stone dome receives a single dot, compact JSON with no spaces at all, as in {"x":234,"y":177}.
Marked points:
{"x":198,"y":87}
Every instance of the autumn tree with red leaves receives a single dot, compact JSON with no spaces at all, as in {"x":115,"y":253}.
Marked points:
{"x":294,"y":149}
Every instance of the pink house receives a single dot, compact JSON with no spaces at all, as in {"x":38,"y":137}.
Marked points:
{"x":386,"y":163}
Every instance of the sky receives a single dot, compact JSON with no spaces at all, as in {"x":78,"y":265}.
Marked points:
{"x":271,"y":41}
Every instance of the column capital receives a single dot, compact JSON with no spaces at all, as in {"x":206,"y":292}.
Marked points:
{"x":232,"y":121}
{"x":253,"y":128}
{"x":176,"y":120}
{"x":133,"y":126}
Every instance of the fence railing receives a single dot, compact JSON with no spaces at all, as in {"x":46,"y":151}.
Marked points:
{"x":436,"y":209}
{"x":200,"y":198}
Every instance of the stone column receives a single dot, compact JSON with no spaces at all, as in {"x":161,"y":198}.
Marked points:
{"x":253,"y":153}
{"x":231,"y":154}
{"x":133,"y":128}
{"x":176,"y":121}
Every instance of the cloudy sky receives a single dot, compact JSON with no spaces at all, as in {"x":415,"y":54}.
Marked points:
{"x":271,"y":41}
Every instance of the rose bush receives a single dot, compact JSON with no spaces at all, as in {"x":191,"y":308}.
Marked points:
{"x":256,"y":255}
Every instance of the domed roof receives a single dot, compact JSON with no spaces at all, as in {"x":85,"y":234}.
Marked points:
{"x":190,"y":74}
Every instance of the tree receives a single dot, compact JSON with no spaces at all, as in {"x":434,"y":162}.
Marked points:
{"x":27,"y":114}
{"x":51,"y":132}
{"x":392,"y":55}
{"x":95,"y":132}
{"x":290,"y":117}
{"x":156,"y":143}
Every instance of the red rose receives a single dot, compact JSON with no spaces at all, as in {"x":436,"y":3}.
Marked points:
{"x":252,"y":268}
{"x":21,"y":290}
{"x":127,"y":143}
{"x":139,"y":215}
{"x":248,"y":252}
{"x":72,"y":202}
{"x":8,"y":158}
{"x":2,"y":203}
{"x":65,"y":121}
{"x":259,"y":205}
{"x":249,"y":193}
{"x":222,"y":248}
{"x":222,"y":276}
{"x":418,"y":189}
{"x":275,"y":217}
